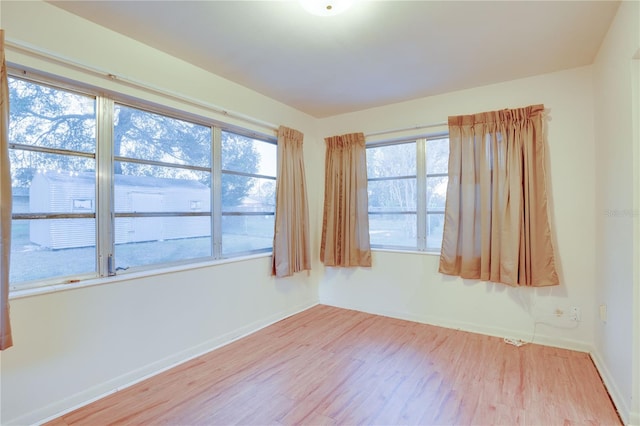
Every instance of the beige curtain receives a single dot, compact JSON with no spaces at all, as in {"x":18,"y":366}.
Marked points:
{"x":5,"y":204}
{"x":291,"y":236}
{"x":496,"y":224}
{"x":345,"y":225}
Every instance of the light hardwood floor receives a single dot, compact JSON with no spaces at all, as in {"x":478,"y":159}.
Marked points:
{"x":329,"y":365}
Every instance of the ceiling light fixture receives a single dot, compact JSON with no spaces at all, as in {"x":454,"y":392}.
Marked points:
{"x":326,"y":7}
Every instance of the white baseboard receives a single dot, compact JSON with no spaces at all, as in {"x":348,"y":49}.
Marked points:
{"x":475,"y":328}
{"x":94,"y":393}
{"x":625,"y":413}
{"x":627,"y":417}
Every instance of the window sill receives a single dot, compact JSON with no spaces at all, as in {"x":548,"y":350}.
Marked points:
{"x":53,"y":288}
{"x":390,"y":250}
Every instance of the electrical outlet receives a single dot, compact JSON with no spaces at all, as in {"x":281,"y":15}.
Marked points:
{"x":603,"y":313}
{"x":574,"y":313}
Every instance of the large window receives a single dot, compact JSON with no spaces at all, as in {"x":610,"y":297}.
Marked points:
{"x":100,"y":187}
{"x":407,"y":191}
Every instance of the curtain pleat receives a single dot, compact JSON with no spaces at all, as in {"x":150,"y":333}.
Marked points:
{"x":5,"y":204}
{"x":291,"y":235}
{"x":496,"y":221}
{"x":345,"y":224}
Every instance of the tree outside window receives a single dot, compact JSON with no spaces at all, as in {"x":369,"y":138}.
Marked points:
{"x":161,"y":168}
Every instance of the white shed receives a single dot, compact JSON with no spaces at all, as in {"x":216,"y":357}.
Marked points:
{"x":54,"y":192}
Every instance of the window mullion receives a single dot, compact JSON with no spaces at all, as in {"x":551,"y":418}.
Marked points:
{"x":216,"y":193}
{"x":104,"y":187}
{"x":421,"y":190}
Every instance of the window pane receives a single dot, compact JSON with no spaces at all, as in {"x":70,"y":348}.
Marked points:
{"x":392,"y":195}
{"x":247,"y":155}
{"x":146,"y":188}
{"x":241,"y":234}
{"x":51,"y":183}
{"x":160,"y":175}
{"x":56,"y":170}
{"x":436,"y":192}
{"x":48,"y":117}
{"x":142,"y":229}
{"x":248,"y":194}
{"x":437,"y":156}
{"x":435,"y":225}
{"x":152,"y":240}
{"x":268,"y":153}
{"x":148,"y":136}
{"x":391,"y":160}
{"x":393,"y":230}
{"x":47,"y":248}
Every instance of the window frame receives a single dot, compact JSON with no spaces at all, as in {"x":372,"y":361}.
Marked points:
{"x":422,"y":175}
{"x":104,"y":213}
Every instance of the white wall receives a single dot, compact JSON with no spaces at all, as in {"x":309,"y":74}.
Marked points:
{"x":75,"y":345}
{"x":618,"y":218}
{"x":72,"y":346}
{"x":409,"y":286}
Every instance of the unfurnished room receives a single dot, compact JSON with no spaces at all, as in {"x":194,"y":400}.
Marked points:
{"x":320,"y":212}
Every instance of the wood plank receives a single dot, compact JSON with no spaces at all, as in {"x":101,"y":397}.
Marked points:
{"x":332,"y":366}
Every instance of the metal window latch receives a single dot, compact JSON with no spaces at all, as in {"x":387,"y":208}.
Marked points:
{"x":110,"y":271}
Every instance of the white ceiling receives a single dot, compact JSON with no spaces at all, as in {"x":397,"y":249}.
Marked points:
{"x":377,"y":53}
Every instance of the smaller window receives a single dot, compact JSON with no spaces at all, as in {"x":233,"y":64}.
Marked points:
{"x":391,"y":171}
{"x":407,"y":183}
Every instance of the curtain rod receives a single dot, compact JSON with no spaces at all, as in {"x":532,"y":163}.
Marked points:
{"x":61,"y":60}
{"x":404,"y":129}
